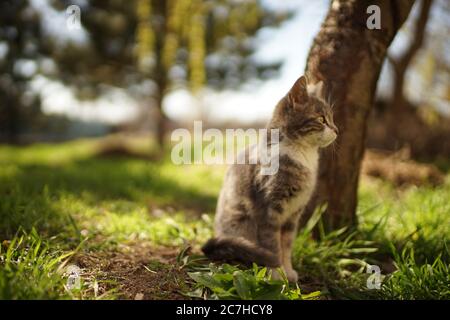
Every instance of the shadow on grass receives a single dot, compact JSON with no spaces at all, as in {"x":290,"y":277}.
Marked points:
{"x":115,"y":179}
{"x":29,"y":194}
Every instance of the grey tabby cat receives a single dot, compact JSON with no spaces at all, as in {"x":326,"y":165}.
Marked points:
{"x":257,"y":215}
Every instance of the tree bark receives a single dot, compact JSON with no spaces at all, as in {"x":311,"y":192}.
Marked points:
{"x":348,"y":57}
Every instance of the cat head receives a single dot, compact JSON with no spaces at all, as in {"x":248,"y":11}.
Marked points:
{"x":303,"y":115}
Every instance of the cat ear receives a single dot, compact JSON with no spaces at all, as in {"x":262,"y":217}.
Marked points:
{"x":317,"y":89}
{"x":299,"y":92}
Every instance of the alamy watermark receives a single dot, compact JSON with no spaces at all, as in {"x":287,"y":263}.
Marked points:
{"x":73,"y":20}
{"x":374,"y":20}
{"x":73,"y":274}
{"x":375,"y":278}
{"x":221,"y":148}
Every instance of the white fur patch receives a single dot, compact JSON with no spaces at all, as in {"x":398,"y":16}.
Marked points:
{"x":308,"y":157}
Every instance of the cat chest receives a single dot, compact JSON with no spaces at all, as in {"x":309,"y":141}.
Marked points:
{"x":299,"y":200}
{"x":300,"y":180}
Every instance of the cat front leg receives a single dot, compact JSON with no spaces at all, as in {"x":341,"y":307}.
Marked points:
{"x":288,"y":232}
{"x":269,"y":238}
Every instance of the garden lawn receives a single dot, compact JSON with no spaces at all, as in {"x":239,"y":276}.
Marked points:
{"x":132,"y":228}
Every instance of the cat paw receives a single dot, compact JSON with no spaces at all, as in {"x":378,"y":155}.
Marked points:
{"x":276,"y":275}
{"x":292,"y":275}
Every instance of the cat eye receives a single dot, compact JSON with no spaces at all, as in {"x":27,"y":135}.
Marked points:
{"x":321,"y":120}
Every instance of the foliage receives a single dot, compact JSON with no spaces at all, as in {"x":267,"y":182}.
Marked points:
{"x":29,"y":269}
{"x":336,"y":260}
{"x":417,"y":281}
{"x":172,"y":43}
{"x":61,"y":199}
{"x":22,"y":37}
{"x":230,"y":282}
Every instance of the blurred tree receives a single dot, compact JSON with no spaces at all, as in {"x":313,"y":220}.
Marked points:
{"x":417,"y":99}
{"x":22,"y":49}
{"x":151,"y":47}
{"x":400,"y":64}
{"x":349,"y":56}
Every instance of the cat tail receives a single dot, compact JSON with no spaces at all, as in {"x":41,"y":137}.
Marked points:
{"x":239,"y":249}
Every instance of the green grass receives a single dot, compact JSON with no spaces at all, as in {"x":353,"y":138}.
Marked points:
{"x":417,"y":281}
{"x":212,"y":281}
{"x":58,"y":202}
{"x":230,"y":282}
{"x":33,"y":268}
{"x":30,"y":269}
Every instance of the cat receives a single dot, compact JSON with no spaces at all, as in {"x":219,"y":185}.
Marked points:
{"x":257,"y":215}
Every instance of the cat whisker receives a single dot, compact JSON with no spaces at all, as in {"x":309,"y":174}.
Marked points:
{"x":335,"y":149}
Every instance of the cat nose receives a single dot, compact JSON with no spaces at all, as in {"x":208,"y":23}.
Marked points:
{"x":335,"y":129}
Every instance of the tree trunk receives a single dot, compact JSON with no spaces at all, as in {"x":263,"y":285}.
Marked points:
{"x":348,"y":57}
{"x":161,"y":120}
{"x":12,"y":119}
{"x":400,"y":109}
{"x":161,"y":80}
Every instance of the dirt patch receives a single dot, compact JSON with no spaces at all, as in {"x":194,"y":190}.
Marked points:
{"x":399,"y":169}
{"x":419,"y":127}
{"x":138,"y":271}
